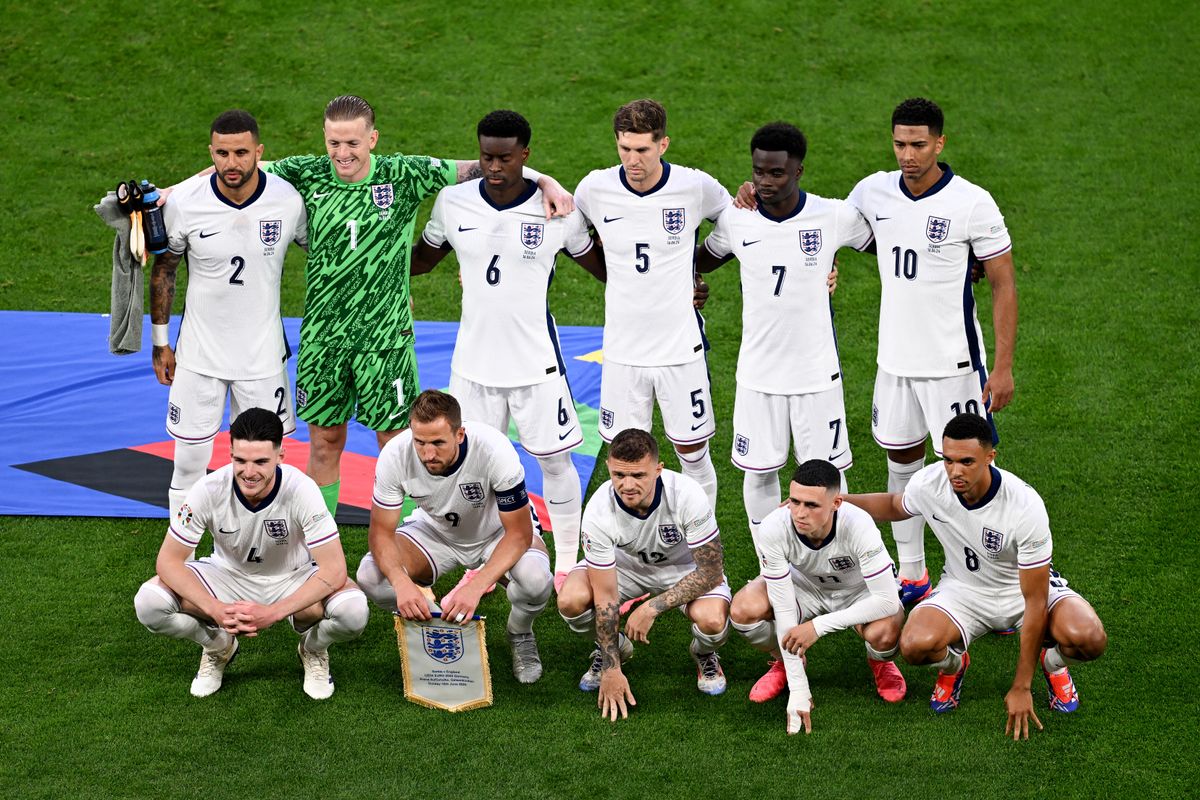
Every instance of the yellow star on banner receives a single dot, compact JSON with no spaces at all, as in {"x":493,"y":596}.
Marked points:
{"x":596,"y":357}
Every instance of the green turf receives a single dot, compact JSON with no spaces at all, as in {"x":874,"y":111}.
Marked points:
{"x":1081,"y":122}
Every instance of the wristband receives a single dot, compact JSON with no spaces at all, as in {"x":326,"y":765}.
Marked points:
{"x":159,"y":336}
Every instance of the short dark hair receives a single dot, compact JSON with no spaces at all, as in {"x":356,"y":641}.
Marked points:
{"x":818,"y":472}
{"x":776,"y":136}
{"x":257,"y":425}
{"x":632,"y":445}
{"x":970,"y":426}
{"x":234,"y":121}
{"x":432,"y":405}
{"x":917,"y":111}
{"x":347,"y":107}
{"x":505,"y":124}
{"x":641,"y":116}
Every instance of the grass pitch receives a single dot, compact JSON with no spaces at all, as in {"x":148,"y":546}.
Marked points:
{"x":1077,"y":120}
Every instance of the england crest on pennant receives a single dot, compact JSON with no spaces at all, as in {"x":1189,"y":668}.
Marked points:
{"x":937,"y":229}
{"x":810,"y":242}
{"x":442,"y":644}
{"x":531,"y":234}
{"x":674,"y":220}
{"x":993,"y":541}
{"x":269,"y":231}
{"x":382,"y":195}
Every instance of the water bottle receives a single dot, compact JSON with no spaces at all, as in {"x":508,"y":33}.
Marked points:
{"x":152,"y":219}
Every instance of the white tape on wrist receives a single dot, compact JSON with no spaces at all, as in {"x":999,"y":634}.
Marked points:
{"x":159,"y":336}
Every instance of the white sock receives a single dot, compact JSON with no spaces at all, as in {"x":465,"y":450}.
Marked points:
{"x":158,"y":609}
{"x":760,"y":635}
{"x":872,"y":653}
{"x":564,"y":502}
{"x":949,"y":665}
{"x":1055,"y":661}
{"x":346,"y":615}
{"x":699,"y":467}
{"x":529,"y":587}
{"x":909,"y":534}
{"x":760,"y":494}
{"x":191,"y":462}
{"x":709,"y":642}
{"x":584,"y":624}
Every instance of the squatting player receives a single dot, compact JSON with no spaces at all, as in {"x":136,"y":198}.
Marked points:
{"x":996,"y":536}
{"x":276,"y":555}
{"x":647,"y":213}
{"x":932,"y":365}
{"x":234,"y":226}
{"x":472,"y":510}
{"x":789,"y":376}
{"x":646,"y":529}
{"x":507,"y":363}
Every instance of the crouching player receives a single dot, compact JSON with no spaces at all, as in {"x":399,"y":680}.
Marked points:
{"x":996,"y":535}
{"x":646,"y":530}
{"x":824,"y":569}
{"x":276,"y":554}
{"x":472,"y":511}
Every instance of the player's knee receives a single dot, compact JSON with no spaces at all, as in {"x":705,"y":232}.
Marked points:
{"x":747,"y":609}
{"x":153,"y":605}
{"x":711,"y":623}
{"x":917,"y":644}
{"x":555,"y":465}
{"x":372,"y":583}
{"x":573,"y":600}
{"x":189,"y":464}
{"x":349,"y":611}
{"x":531,"y":582}
{"x":883,"y":637}
{"x":1088,"y":639}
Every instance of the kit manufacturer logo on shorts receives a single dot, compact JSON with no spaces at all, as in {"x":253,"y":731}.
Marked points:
{"x":382,"y":195}
{"x":810,"y":242}
{"x":472,"y":492}
{"x":173,"y":413}
{"x":276,"y":528}
{"x":741,"y":444}
{"x":269,"y":231}
{"x":841,"y":563}
{"x":674,"y":220}
{"x":937,"y":229}
{"x":670,"y":534}
{"x":993,"y":541}
{"x":532,"y":233}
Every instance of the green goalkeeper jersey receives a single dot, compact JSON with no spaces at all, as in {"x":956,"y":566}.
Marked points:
{"x":357,"y":291}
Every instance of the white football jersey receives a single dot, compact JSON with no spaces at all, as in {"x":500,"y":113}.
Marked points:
{"x":649,"y":243}
{"x":927,"y":322}
{"x":271,"y":538}
{"x":789,"y":345}
{"x":464,"y":505}
{"x":506,"y":254}
{"x":679,"y":520}
{"x":231,"y":327}
{"x":986,"y":544}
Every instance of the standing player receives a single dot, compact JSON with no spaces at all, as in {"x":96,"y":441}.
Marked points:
{"x":472,"y":510}
{"x":234,"y":226}
{"x":789,"y":376}
{"x":824,"y":569}
{"x":646,"y":529}
{"x":996,"y":535}
{"x":647,"y":213}
{"x":507,"y":363}
{"x":928,"y":224}
{"x":276,"y":555}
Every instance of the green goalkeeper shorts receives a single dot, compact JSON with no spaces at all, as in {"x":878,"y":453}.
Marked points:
{"x":377,"y":387}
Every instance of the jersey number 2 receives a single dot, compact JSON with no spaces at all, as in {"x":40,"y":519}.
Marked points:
{"x":239,"y":264}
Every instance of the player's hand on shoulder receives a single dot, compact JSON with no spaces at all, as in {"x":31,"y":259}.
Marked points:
{"x":831,"y":281}
{"x":556,"y":201}
{"x":639,"y":623}
{"x":699,"y":292}
{"x":1019,"y":704}
{"x":164,"y":364}
{"x":745,"y":197}
{"x":615,"y":697}
{"x":799,"y":714}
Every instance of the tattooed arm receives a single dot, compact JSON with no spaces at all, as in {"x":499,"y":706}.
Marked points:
{"x":614,"y":686}
{"x":162,"y":297}
{"x":710,"y":566}
{"x":556,"y":201}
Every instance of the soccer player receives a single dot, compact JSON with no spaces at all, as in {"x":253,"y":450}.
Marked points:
{"x":646,"y":529}
{"x":997,"y":576}
{"x":824,"y":569}
{"x":472,"y":510}
{"x":928,"y":223}
{"x":507,"y":363}
{"x":647,"y":213}
{"x":234,"y":226}
{"x":789,"y":376}
{"x":276,"y":555}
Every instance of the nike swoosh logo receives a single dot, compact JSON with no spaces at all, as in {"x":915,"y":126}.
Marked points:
{"x":206,"y":234}
{"x":461,"y":229}
{"x":558,"y":502}
{"x":416,"y":498}
{"x":747,"y":244}
{"x":613,"y":219}
{"x":222,"y":530}
{"x":835,"y":457}
{"x":565,"y":435}
{"x":317,"y":196}
{"x":880,"y":219}
{"x":699,"y":425}
{"x":939,"y":519}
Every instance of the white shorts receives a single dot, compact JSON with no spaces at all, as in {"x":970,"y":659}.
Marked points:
{"x":815,"y":423}
{"x":975,"y":612}
{"x":810,"y":602}
{"x":196,"y":403}
{"x":544,"y":412}
{"x":633,"y":580}
{"x":444,"y":555}
{"x":230,"y":585}
{"x":627,"y":396}
{"x":905,"y":410}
